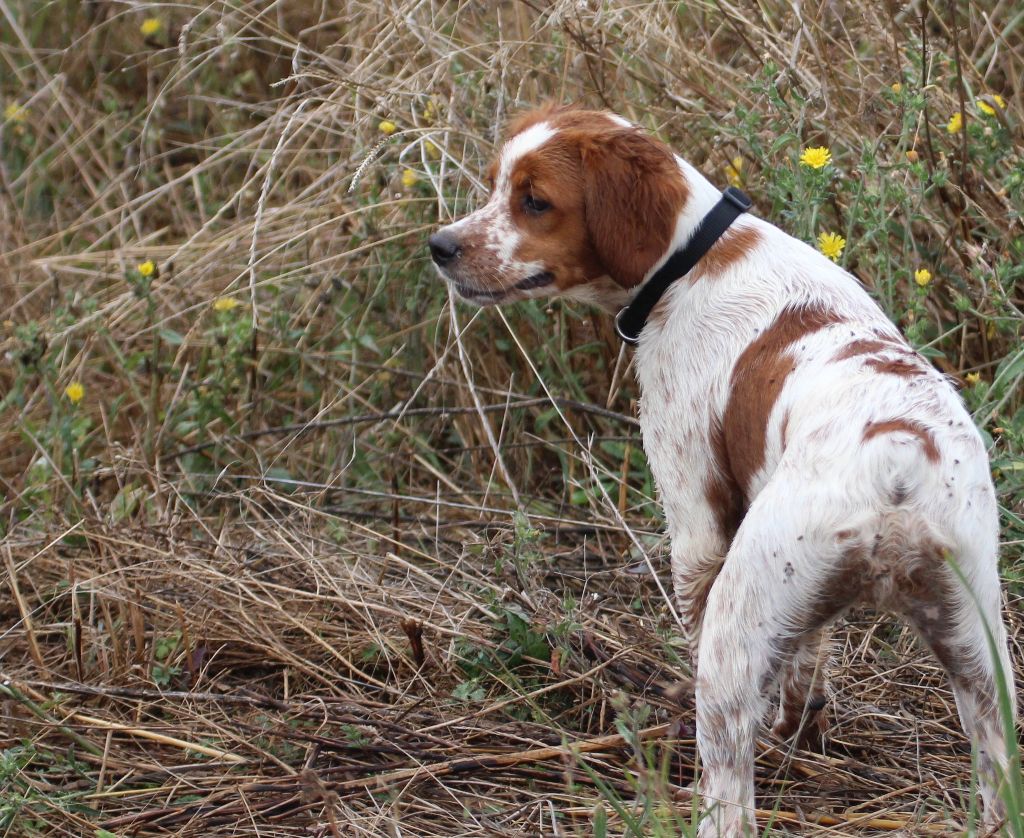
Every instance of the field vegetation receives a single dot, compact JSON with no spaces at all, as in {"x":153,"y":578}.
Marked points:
{"x":295,"y":544}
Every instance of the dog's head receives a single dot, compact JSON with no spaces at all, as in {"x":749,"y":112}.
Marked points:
{"x":581,"y":203}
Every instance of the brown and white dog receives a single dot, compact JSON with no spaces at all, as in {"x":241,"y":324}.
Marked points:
{"x":807,"y":459}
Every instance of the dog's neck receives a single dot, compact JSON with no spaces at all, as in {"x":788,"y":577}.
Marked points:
{"x":701,"y":198}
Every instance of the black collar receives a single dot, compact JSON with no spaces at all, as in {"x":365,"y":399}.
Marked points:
{"x":631,"y":320}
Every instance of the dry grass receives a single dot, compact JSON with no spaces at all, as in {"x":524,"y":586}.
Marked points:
{"x":348,"y":560}
{"x":318,"y":677}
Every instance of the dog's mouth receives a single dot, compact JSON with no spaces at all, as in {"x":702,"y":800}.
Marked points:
{"x":479,"y":295}
{"x":538,"y":280}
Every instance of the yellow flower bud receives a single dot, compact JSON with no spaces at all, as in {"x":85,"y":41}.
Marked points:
{"x":14,"y":113}
{"x":75,"y":392}
{"x":734,"y":171}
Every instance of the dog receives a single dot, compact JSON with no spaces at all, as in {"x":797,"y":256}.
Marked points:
{"x":807,"y":459}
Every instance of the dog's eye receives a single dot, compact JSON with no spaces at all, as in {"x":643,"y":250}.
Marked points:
{"x":535,"y":205}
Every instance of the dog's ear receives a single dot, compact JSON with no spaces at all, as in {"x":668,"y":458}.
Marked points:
{"x":633,"y":191}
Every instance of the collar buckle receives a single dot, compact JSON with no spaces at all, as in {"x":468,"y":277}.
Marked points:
{"x":632,"y":340}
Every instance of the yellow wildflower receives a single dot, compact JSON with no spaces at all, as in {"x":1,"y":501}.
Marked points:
{"x":972,"y":378}
{"x":433,"y":152}
{"x":922,"y":276}
{"x":956,"y":122}
{"x":831,"y":244}
{"x":429,"y":111}
{"x":912,"y":155}
{"x":897,"y":88}
{"x":387,"y":127}
{"x":224,"y":303}
{"x":816,"y":158}
{"x":150,"y":26}
{"x":409,"y":178}
{"x":987,"y":109}
{"x":75,"y":392}
{"x":14,"y":113}
{"x":146,"y":268}
{"x":734,"y":171}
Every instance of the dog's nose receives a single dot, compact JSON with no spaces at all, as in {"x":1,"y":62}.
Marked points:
{"x":444,"y":248}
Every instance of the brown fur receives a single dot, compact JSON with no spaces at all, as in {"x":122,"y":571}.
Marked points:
{"x":724,"y":495}
{"x":734,"y":245}
{"x":559,"y":238}
{"x":633,"y":191}
{"x":861,"y":347}
{"x":908,"y":367}
{"x":908,"y":426}
{"x":560,"y":116}
{"x":757,"y":381}
{"x":889,"y":572}
{"x":802,"y":690}
{"x":693,"y":590}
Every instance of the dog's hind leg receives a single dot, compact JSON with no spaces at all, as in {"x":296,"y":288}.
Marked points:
{"x":803,"y":690}
{"x":953,"y":622}
{"x":769,"y":598}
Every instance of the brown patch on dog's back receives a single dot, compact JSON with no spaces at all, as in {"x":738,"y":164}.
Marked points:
{"x":907,"y":426}
{"x":888,"y":357}
{"x":908,"y":367}
{"x":757,"y":380}
{"x":863,"y":346}
{"x":734,"y":245}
